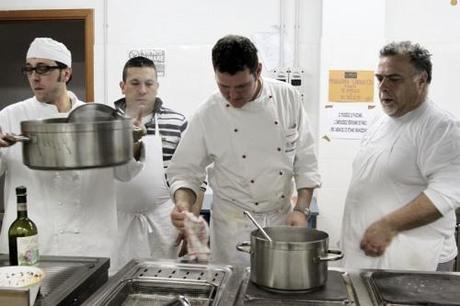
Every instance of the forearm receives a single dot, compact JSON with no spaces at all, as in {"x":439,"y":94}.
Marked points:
{"x":419,"y":212}
{"x":304,"y":196}
{"x":196,"y":208}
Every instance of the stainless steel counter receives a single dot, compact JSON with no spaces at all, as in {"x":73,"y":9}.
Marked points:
{"x":149,"y":282}
{"x":441,"y":289}
{"x":232,"y":291}
{"x":68,"y":280}
{"x":157,"y":282}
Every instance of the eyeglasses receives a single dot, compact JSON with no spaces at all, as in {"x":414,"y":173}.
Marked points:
{"x":39,"y":69}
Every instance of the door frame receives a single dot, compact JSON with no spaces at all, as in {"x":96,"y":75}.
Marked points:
{"x":87,"y":15}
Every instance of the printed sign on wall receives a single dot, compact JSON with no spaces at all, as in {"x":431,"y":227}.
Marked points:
{"x":156,"y":55}
{"x":351,"y":86}
{"x":347,"y":121}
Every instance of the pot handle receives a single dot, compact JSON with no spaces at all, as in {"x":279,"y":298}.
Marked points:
{"x":244,"y":247}
{"x":138,"y":133}
{"x":21,"y":138}
{"x":338,"y":254}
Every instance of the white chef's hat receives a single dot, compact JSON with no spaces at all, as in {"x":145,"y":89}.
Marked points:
{"x":47,"y":48}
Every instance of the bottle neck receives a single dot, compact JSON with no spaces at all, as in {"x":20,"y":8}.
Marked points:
{"x":22,"y":210}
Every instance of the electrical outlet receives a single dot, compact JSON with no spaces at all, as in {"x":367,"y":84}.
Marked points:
{"x":281,"y":75}
{"x":296,"y":77}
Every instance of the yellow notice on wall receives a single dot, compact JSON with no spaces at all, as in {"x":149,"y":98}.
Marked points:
{"x":351,"y":86}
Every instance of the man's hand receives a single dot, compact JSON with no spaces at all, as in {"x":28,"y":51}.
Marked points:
{"x":419,"y":212}
{"x":183,"y":199}
{"x":297,"y":218}
{"x":178,"y":217}
{"x":6,"y":140}
{"x":139,"y":129}
{"x":377,"y":238}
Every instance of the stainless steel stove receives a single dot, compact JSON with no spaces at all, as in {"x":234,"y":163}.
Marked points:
{"x":147,"y":282}
{"x":398,"y":288}
{"x":68,"y":280}
{"x":338,"y":290}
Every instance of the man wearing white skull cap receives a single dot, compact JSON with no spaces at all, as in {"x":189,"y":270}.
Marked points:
{"x":75,"y":211}
{"x":44,"y":47}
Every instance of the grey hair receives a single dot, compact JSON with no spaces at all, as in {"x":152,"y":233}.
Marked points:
{"x":419,"y":57}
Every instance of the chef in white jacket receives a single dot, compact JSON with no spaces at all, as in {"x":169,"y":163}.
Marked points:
{"x":144,"y":203}
{"x":399,"y":211}
{"x":254,"y":134}
{"x":74,"y":211}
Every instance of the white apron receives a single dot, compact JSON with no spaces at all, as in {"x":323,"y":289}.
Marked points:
{"x":372,"y":194}
{"x":144,"y":206}
{"x":229,"y":226}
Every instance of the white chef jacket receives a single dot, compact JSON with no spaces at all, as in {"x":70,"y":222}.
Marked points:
{"x":75,"y":211}
{"x":256,"y":151}
{"x":400,"y":158}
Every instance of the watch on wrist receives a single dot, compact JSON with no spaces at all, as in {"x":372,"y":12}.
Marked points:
{"x":304,"y":210}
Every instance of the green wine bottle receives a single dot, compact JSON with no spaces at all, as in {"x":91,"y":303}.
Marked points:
{"x":22,"y":234}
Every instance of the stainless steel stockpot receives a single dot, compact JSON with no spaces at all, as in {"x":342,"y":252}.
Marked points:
{"x":296,"y":259}
{"x":55,"y":144}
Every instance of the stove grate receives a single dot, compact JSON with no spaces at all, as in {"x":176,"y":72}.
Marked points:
{"x":334,"y":293}
{"x":401,"y":288}
{"x":211,"y":276}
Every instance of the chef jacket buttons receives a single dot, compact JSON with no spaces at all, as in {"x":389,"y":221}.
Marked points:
{"x":282,"y":196}
{"x":256,"y":203}
{"x":279,"y":149}
{"x":235,"y":130}
{"x":228,"y":105}
{"x":281,"y":172}
{"x":244,"y":156}
{"x":270,"y":96}
{"x":252,"y":181}
{"x":276,"y":122}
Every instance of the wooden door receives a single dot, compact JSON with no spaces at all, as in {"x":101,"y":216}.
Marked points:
{"x":73,"y":27}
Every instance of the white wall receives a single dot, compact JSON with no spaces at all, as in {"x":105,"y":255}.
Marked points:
{"x":436,"y":25}
{"x":187,"y":32}
{"x":350,"y":40}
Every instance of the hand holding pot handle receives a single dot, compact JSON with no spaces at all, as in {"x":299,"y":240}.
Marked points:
{"x":7,"y":139}
{"x":139,"y":129}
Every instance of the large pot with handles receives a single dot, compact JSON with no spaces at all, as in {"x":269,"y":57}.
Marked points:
{"x":56,"y":144}
{"x":296,"y":259}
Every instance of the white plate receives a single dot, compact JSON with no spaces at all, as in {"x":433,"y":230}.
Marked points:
{"x":25,"y":277}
